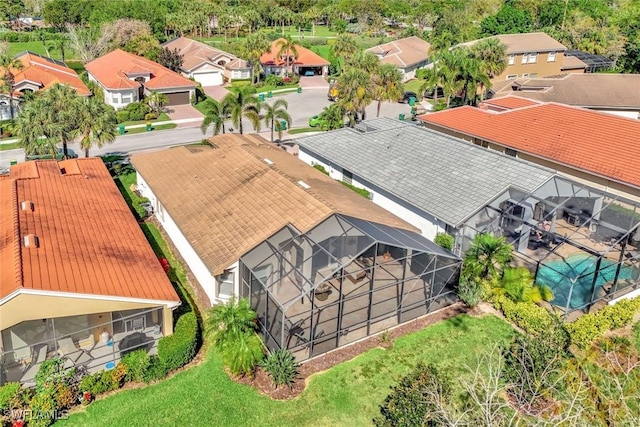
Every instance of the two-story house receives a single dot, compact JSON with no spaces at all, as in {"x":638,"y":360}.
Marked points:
{"x":408,"y":55}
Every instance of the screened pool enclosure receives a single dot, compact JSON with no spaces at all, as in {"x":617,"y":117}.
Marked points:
{"x":342,"y":281}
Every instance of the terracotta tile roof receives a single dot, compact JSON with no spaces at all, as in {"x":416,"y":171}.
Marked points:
{"x":402,"y":53}
{"x":89,"y":242}
{"x":526,"y":42}
{"x":111,"y":71}
{"x":506,"y":103}
{"x":195,"y":53}
{"x":305,"y":56}
{"x":590,"y":90}
{"x":226,"y":200}
{"x":46,"y":72}
{"x":598,"y":143}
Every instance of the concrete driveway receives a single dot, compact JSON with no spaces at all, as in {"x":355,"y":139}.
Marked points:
{"x":313,"y":82}
{"x":215,"y":92}
{"x":184,"y":115}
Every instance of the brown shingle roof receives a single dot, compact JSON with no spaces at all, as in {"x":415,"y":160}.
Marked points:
{"x":404,"y":52}
{"x":195,"y":53}
{"x":89,"y":242}
{"x":599,"y":143}
{"x":227,"y":200}
{"x":526,"y":42}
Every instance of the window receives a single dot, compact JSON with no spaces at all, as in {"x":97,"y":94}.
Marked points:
{"x":347,"y":176}
{"x":126,"y":99}
{"x":484,"y":144}
{"x":533,"y":57}
{"x":512,"y":59}
{"x":525,"y":75}
{"x":533,"y":75}
{"x":551,"y":57}
{"x":226,"y":284}
{"x":510,"y":152}
{"x":512,"y":76}
{"x":525,"y":56}
{"x":114,"y":99}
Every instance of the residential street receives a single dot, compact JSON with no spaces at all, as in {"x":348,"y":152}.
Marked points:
{"x":301,"y":107}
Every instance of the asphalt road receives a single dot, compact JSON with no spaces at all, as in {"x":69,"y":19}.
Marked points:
{"x":302,"y":106}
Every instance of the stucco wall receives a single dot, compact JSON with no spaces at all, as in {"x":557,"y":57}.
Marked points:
{"x":542,"y":67}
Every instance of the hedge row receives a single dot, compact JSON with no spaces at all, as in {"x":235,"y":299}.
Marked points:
{"x":175,"y":351}
{"x":34,"y":36}
{"x":529,"y":316}
{"x":589,"y":327}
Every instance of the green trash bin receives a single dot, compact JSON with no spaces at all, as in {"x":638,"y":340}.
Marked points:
{"x":148,"y":127}
{"x":261,"y":97}
{"x":13,"y":162}
{"x":412,"y":101}
{"x":120,"y":129}
{"x":401,"y":116}
{"x":283,"y":125}
{"x":299,"y":90}
{"x":269,"y":94}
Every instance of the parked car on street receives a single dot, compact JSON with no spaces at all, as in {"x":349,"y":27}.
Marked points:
{"x":59,"y":155}
{"x":430,"y":93}
{"x":407,"y":96}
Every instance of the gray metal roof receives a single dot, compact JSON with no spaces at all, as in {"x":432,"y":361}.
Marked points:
{"x":445,"y":176}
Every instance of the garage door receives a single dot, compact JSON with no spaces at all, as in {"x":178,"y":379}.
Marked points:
{"x":178,"y":98}
{"x":208,"y":79}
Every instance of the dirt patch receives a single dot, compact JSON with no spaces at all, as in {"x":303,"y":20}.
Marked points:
{"x":262,"y":382}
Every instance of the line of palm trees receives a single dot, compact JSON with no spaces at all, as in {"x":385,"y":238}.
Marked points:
{"x":242,"y":103}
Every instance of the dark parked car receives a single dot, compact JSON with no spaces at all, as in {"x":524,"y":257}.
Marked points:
{"x":407,"y":96}
{"x":430,"y":93}
{"x":59,"y":155}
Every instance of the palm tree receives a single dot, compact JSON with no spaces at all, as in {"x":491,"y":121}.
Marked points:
{"x":228,"y":322}
{"x":243,"y":103}
{"x":492,"y":56}
{"x":214,"y":113}
{"x":517,"y":284}
{"x":97,"y":124}
{"x":363,"y":60}
{"x":156,"y":100}
{"x":332,"y":117}
{"x":9,"y":66}
{"x":344,"y":46}
{"x":354,"y":93}
{"x":34,"y":130}
{"x":387,"y":85}
{"x":472,"y":74}
{"x":276,"y":112}
{"x":487,"y":257}
{"x":59,"y":44}
{"x":288,"y":47}
{"x":253,"y":46}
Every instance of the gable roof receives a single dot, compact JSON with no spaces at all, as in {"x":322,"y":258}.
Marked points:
{"x":590,"y":90}
{"x":598,"y":143}
{"x":525,"y":42}
{"x":226,"y":200}
{"x":112,"y":69}
{"x":445,"y":176}
{"x":305,"y":56}
{"x":506,"y":103}
{"x":403,"y":52}
{"x":195,"y":53}
{"x":45,"y":72}
{"x":89,"y":242}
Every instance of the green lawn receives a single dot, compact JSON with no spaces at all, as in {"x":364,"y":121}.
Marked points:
{"x":161,"y":118}
{"x":413,"y":85}
{"x":304,"y":130}
{"x":38,"y":47}
{"x":271,"y":88}
{"x":154,"y":128}
{"x":346,"y":395}
{"x":9,"y":146}
{"x":323,"y":51}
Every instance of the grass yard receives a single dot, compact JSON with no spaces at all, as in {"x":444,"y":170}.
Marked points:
{"x":153,"y":128}
{"x":9,"y":146}
{"x":323,"y":51}
{"x":161,"y":118}
{"x":38,"y":47}
{"x":413,"y":85}
{"x":346,"y":395}
{"x":304,"y":130}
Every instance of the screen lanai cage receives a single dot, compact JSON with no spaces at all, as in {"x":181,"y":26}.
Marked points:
{"x":343,"y":280}
{"x":581,"y":242}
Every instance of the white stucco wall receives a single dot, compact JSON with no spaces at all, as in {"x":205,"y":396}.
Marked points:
{"x":632,"y":114}
{"x":120,"y":98}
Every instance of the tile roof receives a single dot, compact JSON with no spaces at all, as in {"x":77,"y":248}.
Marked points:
{"x":445,"y":176}
{"x":195,"y":53}
{"x":305,"y":56}
{"x":506,"y":103}
{"x":89,"y":242}
{"x":598,"y":143}
{"x":46,"y":72}
{"x":111,"y":71}
{"x":404,"y":52}
{"x":590,"y":90}
{"x":226,"y":200}
{"x":526,"y":42}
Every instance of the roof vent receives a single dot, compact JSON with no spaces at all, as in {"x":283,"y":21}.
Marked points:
{"x":267,"y":161}
{"x":27,"y":205}
{"x":304,"y":185}
{"x":31,"y":241}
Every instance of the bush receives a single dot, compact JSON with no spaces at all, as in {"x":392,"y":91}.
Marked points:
{"x":99,"y":382}
{"x":321,"y":169}
{"x":636,"y":335}
{"x":281,"y":366}
{"x":590,"y":327}
{"x":137,"y":110}
{"x":135,"y":363}
{"x":176,"y":350}
{"x":11,"y":397}
{"x":445,"y":240}
{"x":150,"y":116}
{"x":531,"y":317}
{"x":415,"y":399}
{"x":155,"y":371}
{"x":122,"y":116}
{"x":470,"y":292}
{"x":242,"y":354}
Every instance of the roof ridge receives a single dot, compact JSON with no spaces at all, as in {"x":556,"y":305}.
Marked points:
{"x":17,"y":253}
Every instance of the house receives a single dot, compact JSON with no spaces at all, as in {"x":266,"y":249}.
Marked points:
{"x":581,"y":241}
{"x":78,"y":277}
{"x":534,"y":55}
{"x":207,"y":65}
{"x":303,"y":63}
{"x":408,"y":55}
{"x":38,"y":73}
{"x":592,"y":147}
{"x":609,"y":93}
{"x":321,"y":265}
{"x":126,"y":78}
{"x":431,"y":180}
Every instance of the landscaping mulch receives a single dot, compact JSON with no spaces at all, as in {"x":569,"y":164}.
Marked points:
{"x":262,"y":382}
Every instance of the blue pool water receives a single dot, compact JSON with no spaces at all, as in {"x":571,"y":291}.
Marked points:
{"x":558,"y":274}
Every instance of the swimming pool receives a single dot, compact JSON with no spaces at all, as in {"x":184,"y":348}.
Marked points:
{"x":557,"y":274}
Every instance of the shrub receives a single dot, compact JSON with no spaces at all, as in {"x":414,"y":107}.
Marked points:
{"x":470,"y":292}
{"x":242,"y":354}
{"x":135,"y":363}
{"x":281,"y":366}
{"x":155,"y":371}
{"x":88,"y":382}
{"x":42,"y":407}
{"x":150,"y":116}
{"x":636,"y":335}
{"x":273,"y":80}
{"x":445,"y":240}
{"x":178,"y":349}
{"x":137,"y":110}
{"x":415,"y":400}
{"x":321,"y":169}
{"x":99,"y":382}
{"x":531,"y":317}
{"x":122,"y":116}
{"x":118,"y":375}
{"x":11,"y":397}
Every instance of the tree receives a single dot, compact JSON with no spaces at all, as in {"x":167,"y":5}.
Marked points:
{"x":172,"y":59}
{"x":274,"y":114}
{"x":89,"y":43}
{"x":252,"y":48}
{"x":156,"y":100}
{"x":363,"y":60}
{"x":97,"y":123}
{"x":354,"y":93}
{"x":287,"y":47}
{"x":332,"y":117}
{"x":144,"y":45}
{"x":243,"y":103}
{"x":60,"y":44}
{"x":492,"y":55}
{"x":487,"y":257}
{"x":508,"y":20}
{"x":215,"y":114}
{"x":517,"y":284}
{"x":387,"y":85}
{"x":9,"y":67}
{"x":344,"y":46}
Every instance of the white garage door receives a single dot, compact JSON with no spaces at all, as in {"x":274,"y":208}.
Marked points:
{"x":208,"y":79}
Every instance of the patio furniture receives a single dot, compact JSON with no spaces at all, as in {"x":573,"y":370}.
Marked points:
{"x":75,"y":356}
{"x":32,"y":370}
{"x":134,"y":341}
